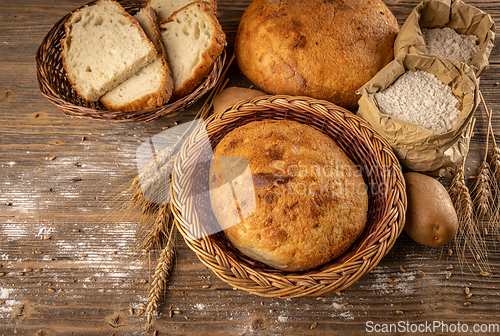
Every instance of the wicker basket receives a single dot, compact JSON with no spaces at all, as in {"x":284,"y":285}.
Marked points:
{"x":380,"y":168}
{"x":56,"y":87}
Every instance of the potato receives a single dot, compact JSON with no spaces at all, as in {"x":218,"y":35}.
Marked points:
{"x":230,"y":96}
{"x":430,"y":218}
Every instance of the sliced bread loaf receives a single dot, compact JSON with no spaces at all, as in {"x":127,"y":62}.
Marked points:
{"x":165,"y":8}
{"x":152,"y":85}
{"x":103,"y":46}
{"x":193,"y":39}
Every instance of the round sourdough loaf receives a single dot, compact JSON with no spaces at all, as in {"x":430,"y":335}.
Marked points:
{"x":304,"y":204}
{"x":325,"y":49}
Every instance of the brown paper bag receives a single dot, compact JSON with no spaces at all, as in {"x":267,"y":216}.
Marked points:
{"x":465,"y":19}
{"x":419,"y":149}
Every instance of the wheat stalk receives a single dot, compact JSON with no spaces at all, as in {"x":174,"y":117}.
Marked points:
{"x":153,"y":182}
{"x":481,"y":189}
{"x":162,"y":272}
{"x":468,"y":238}
{"x":495,"y":174}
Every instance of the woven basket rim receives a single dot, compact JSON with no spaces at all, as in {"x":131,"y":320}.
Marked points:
{"x":363,"y":256}
{"x":95,"y":111}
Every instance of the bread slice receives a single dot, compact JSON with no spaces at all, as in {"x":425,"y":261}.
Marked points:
{"x":152,"y":85}
{"x":103,"y":46}
{"x":193,"y":39}
{"x":165,"y":8}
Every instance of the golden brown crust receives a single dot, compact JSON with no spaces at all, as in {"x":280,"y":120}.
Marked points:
{"x":317,"y":48}
{"x":310,"y":199}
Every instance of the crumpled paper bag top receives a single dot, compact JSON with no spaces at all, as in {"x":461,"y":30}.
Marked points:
{"x":419,"y":149}
{"x":463,"y":18}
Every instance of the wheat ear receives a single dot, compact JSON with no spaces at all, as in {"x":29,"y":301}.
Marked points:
{"x":162,"y":272}
{"x":481,"y":189}
{"x":495,"y":174}
{"x":155,"y":236}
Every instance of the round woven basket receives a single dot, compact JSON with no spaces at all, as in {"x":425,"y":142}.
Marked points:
{"x":380,"y":168}
{"x":56,"y":87}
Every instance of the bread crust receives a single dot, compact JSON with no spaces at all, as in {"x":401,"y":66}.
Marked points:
{"x":208,"y":57}
{"x":67,"y":40}
{"x":317,"y":48}
{"x":304,"y":216}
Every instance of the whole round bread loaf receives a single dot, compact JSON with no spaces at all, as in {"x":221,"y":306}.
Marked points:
{"x":304,"y":203}
{"x":325,"y":49}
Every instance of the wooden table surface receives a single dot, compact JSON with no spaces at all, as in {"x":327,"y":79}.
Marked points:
{"x":69,"y":264}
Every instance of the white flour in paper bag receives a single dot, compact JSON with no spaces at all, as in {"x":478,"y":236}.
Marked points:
{"x":420,"y":98}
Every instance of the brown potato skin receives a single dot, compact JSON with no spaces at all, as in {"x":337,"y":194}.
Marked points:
{"x":430,"y":218}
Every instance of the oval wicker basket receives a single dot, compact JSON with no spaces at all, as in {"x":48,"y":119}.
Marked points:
{"x":56,"y":87}
{"x":380,"y":168}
